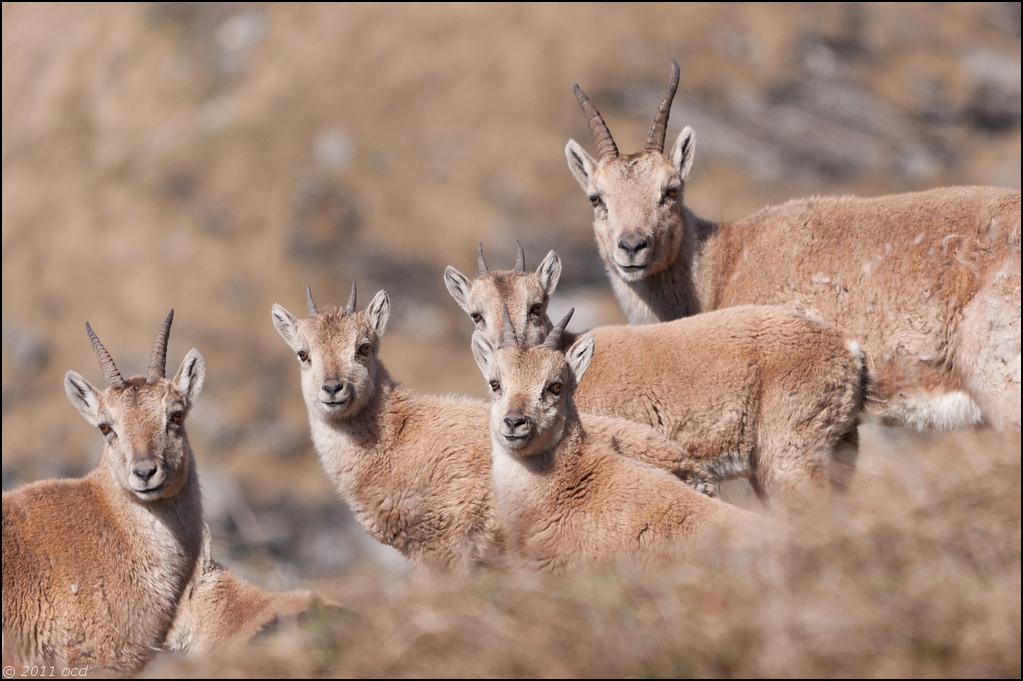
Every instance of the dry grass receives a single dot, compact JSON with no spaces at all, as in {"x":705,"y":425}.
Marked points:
{"x":917,"y":574}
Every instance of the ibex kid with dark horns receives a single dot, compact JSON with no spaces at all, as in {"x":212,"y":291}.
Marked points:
{"x":928,"y":283}
{"x":564,"y":497}
{"x":415,"y":468}
{"x":93,"y":567}
{"x":759,"y":392}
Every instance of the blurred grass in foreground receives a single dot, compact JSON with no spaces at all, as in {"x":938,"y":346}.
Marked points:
{"x":915,"y":574}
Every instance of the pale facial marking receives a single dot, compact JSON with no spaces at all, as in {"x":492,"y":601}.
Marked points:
{"x":335,"y":352}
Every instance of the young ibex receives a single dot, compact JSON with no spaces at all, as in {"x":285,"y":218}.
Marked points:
{"x":93,"y":567}
{"x":756,"y":392}
{"x":927,"y":282}
{"x":220,"y":608}
{"x":565,"y":499}
{"x":415,"y":469}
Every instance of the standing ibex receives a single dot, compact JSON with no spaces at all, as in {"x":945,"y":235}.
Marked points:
{"x":414,"y":468}
{"x":928,"y":283}
{"x":93,"y":567}
{"x":565,"y":499}
{"x":756,"y":391}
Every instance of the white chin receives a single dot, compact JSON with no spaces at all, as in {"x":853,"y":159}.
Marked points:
{"x":335,"y":409}
{"x":149,"y":494}
{"x":514,"y":443}
{"x":632,"y":274}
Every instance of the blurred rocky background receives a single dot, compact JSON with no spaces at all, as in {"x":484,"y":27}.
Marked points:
{"x":215,"y":158}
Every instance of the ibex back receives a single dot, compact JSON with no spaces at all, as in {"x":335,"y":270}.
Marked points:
{"x":928,"y":283}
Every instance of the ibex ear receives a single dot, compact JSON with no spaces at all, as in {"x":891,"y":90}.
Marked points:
{"x":191,"y":375}
{"x":458,"y":286}
{"x":286,"y":325}
{"x":580,"y":163}
{"x":483,"y":352}
{"x":579,"y":356}
{"x":83,"y":396}
{"x":549,"y":272}
{"x":682,"y":152}
{"x":379,"y":310}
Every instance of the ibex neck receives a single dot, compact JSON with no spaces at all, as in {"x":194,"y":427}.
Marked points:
{"x":166,"y":532}
{"x":358,"y":453}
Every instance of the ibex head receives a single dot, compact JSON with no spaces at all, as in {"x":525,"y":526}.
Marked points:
{"x":337,"y":350}
{"x":526,"y":294}
{"x":531,"y":387}
{"x":142,"y":419}
{"x":636,"y":198}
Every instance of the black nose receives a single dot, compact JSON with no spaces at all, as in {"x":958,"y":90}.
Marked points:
{"x":633,"y":246}
{"x":145,"y":470}
{"x":332,"y":387}
{"x":515,"y":420}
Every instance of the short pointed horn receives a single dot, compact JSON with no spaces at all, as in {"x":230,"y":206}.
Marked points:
{"x":606,"y":147}
{"x":655,"y":138}
{"x":309,"y":301}
{"x":350,"y":307}
{"x":520,"y":261}
{"x":509,"y":330}
{"x":553,"y":340}
{"x":480,"y":263}
{"x":106,"y":362}
{"x":158,"y":359}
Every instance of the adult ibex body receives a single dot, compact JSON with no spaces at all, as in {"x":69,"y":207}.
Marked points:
{"x":93,"y":567}
{"x":415,"y":468}
{"x":565,"y":499}
{"x":928,"y":282}
{"x":760,"y":392}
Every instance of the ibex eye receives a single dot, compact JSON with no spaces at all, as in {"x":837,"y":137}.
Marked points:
{"x":495,"y":386}
{"x":178,"y":416}
{"x":364,"y":349}
{"x":476,"y":317}
{"x":536,"y":309}
{"x":303,"y":356}
{"x":105,"y":428}
{"x":555,"y":388}
{"x":595,"y":200}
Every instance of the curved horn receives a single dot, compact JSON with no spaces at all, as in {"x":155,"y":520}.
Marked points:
{"x":480,"y":262}
{"x":158,"y":359}
{"x":309,"y":301}
{"x":655,"y":138}
{"x":520,"y":260}
{"x":106,"y":362}
{"x":350,"y":307}
{"x":554,"y":337}
{"x":606,"y":147}
{"x":509,"y":330}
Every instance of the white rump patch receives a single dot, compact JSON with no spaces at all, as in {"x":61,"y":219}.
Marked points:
{"x":947,"y":411}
